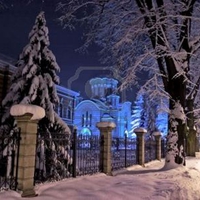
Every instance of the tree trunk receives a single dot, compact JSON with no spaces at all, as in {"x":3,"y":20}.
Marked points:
{"x":191,"y":143}
{"x":177,"y":123}
{"x":191,"y":140}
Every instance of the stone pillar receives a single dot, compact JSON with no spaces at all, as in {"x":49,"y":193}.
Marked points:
{"x":157,"y":136}
{"x":28,"y":123}
{"x":140,"y":145}
{"x":105,"y":148}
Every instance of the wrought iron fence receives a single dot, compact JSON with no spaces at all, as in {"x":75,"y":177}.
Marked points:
{"x":9,"y":153}
{"x":163,"y":147}
{"x":150,"y":150}
{"x":87,"y":154}
{"x":53,"y":157}
{"x":123,"y":152}
{"x":59,"y":157}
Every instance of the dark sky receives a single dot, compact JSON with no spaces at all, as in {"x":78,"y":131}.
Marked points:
{"x":17,"y":21}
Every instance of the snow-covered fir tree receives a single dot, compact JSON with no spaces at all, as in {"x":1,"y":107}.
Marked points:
{"x":150,"y":114}
{"x":34,"y":83}
{"x":35,"y":78}
{"x":136,"y":113}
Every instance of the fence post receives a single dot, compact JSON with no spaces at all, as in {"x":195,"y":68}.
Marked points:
{"x":157,"y":136}
{"x":74,"y":151}
{"x":27,"y":117}
{"x":125,"y":144}
{"x":105,"y":149}
{"x":140,"y":145}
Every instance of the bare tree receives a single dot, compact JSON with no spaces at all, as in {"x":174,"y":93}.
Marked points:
{"x":155,"y":36}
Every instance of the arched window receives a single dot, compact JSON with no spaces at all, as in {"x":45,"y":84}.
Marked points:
{"x":85,"y":131}
{"x":87,"y":121}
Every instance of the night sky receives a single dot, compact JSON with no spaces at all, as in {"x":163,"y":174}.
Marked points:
{"x":17,"y":21}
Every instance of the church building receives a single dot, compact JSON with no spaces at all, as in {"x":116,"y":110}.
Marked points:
{"x":104,"y":105}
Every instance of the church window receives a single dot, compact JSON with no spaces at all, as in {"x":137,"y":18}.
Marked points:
{"x":69,"y":113}
{"x":83,"y":120}
{"x":90,"y":120}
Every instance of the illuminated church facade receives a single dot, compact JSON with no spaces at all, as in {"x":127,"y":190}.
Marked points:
{"x":104,"y":105}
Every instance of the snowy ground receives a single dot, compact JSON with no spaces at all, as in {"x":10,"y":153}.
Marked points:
{"x":149,"y":183}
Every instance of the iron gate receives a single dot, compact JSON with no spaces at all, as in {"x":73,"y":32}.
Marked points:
{"x":9,"y":155}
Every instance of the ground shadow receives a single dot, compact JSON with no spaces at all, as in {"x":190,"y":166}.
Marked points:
{"x":142,"y":171}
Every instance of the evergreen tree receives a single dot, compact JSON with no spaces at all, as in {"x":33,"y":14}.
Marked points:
{"x":35,"y":78}
{"x":34,"y":83}
{"x":136,"y":113}
{"x":150,"y":113}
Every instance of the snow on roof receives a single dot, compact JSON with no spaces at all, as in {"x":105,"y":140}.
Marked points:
{"x":107,"y":118}
{"x":7,"y":61}
{"x":22,"y":109}
{"x":67,"y":91}
{"x":100,"y":103}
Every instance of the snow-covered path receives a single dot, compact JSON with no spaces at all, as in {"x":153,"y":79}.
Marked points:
{"x":149,"y":183}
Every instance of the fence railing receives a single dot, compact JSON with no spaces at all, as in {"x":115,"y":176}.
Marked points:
{"x":87,"y":154}
{"x":9,"y":151}
{"x":150,"y":150}
{"x":53,"y":157}
{"x":123,"y":152}
{"x":163,"y":147}
{"x":59,"y":157}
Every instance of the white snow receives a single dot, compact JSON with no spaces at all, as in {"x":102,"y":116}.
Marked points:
{"x":157,"y":133}
{"x":134,"y":183}
{"x":106,"y":124}
{"x":178,"y":112}
{"x":140,"y":130}
{"x":22,"y":109}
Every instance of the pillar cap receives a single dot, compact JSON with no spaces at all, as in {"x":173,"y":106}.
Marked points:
{"x":157,"y":133}
{"x":106,"y":125}
{"x":22,"y":109}
{"x":140,"y":130}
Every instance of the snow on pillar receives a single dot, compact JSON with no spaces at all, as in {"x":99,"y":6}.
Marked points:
{"x":105,"y":148}
{"x":27,"y":117}
{"x":140,"y":146}
{"x":157,"y":136}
